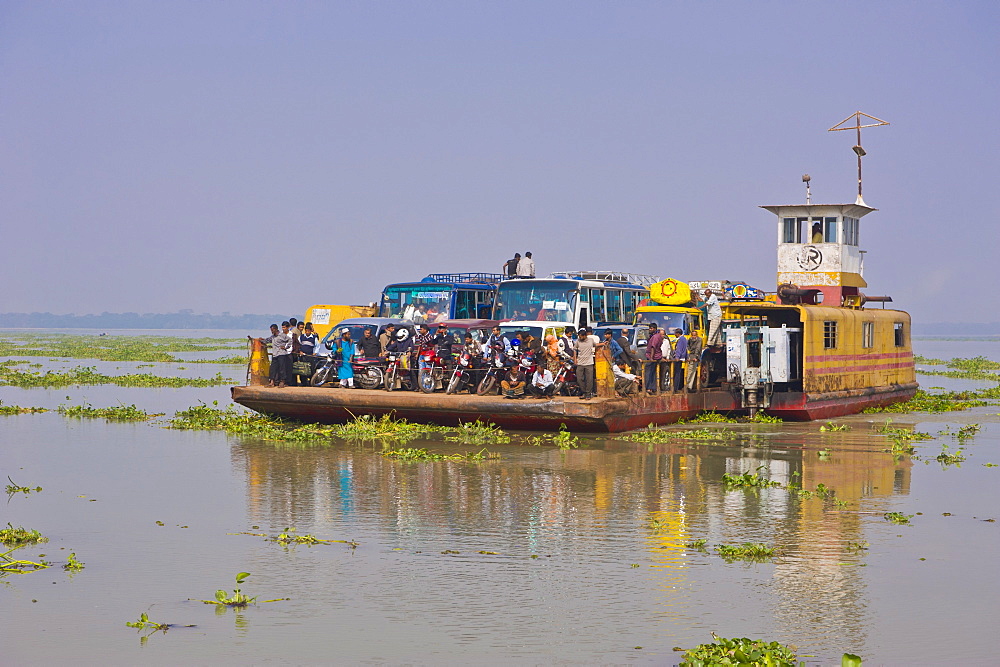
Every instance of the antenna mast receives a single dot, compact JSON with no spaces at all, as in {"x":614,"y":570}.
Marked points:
{"x":857,"y":147}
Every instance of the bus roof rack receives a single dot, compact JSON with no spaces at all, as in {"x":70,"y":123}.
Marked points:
{"x":482,"y":278}
{"x":608,"y":276}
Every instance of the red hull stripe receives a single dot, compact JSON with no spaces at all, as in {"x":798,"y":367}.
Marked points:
{"x":820,"y":358}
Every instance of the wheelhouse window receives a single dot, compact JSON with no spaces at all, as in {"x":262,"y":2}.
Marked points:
{"x":548,"y":300}
{"x":867,"y":334}
{"x":850,"y":230}
{"x":899,"y":334}
{"x":830,"y":230}
{"x":829,"y":334}
{"x":790,"y":231}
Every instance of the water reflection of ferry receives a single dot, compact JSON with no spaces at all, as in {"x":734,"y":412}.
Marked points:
{"x":813,"y":349}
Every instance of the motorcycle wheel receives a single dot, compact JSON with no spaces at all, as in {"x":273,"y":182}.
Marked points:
{"x":425,"y":380}
{"x":390,"y":379}
{"x":453,"y":383}
{"x":486,"y":386}
{"x":557,"y":388}
{"x":321,"y":375}
{"x":371,"y":378}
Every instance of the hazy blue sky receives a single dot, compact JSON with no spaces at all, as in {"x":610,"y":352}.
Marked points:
{"x":264,"y":156}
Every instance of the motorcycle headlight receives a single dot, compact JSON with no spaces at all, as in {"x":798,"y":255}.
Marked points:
{"x":465,"y":362}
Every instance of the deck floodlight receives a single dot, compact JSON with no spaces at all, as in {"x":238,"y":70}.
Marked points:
{"x":860,"y":151}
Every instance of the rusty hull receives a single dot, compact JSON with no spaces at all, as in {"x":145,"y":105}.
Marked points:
{"x":597,"y":415}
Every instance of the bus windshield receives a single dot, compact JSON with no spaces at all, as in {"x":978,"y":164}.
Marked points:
{"x":668,"y":321}
{"x":418,"y":303}
{"x":536,"y":300}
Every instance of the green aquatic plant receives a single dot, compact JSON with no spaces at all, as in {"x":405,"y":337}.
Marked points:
{"x":88,"y":375}
{"x":238,"y":599}
{"x":120,"y":413}
{"x":13,"y":488}
{"x":830,"y":426}
{"x":746,"y":551}
{"x":709,"y":417}
{"x":897,"y":518}
{"x":942,"y":402}
{"x":143,"y":623}
{"x":478,"y":433}
{"x":975,"y":368}
{"x":763,"y":418}
{"x":748,"y":480}
{"x":367,"y":427}
{"x":20,"y":536}
{"x":112,"y":348}
{"x":930,"y":361}
{"x":740,"y":651}
{"x":967,"y":431}
{"x":72,"y":564}
{"x":698,"y":544}
{"x":822,"y":491}
{"x":413,"y":454}
{"x":18,"y":410}
{"x":288,"y":537}
{"x":564,"y":439}
{"x":11,"y":565}
{"x":947,"y":457}
{"x":654,"y":434}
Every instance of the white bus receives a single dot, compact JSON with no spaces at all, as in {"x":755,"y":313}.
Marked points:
{"x":578,"y":298}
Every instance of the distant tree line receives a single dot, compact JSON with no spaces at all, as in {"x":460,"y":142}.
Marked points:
{"x":184,"y":319}
{"x":956,"y":329}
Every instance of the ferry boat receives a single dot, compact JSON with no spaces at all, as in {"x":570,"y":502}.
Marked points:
{"x":815,"y":348}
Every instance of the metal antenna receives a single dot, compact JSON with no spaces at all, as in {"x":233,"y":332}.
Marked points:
{"x":857,"y":147}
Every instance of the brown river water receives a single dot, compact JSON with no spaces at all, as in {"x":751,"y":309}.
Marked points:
{"x":541,"y":556}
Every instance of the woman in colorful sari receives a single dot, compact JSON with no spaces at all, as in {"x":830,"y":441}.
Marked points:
{"x":552,"y":360}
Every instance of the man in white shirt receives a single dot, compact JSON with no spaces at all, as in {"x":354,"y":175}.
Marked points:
{"x":541,"y":382}
{"x":526,"y":267}
{"x":625,"y":383}
{"x":714,"y":312}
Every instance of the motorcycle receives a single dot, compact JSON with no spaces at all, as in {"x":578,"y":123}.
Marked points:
{"x":368,"y":373}
{"x":395,"y":373}
{"x":432,"y":369}
{"x":495,"y":369}
{"x":327,"y":372}
{"x":462,"y":374}
{"x":565,"y":379}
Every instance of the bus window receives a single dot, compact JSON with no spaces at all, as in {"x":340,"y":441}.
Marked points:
{"x":613,"y":304}
{"x":597,"y":312}
{"x":466,"y":305}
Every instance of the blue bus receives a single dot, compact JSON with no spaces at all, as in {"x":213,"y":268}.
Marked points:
{"x":579,"y":298}
{"x":441,"y":296}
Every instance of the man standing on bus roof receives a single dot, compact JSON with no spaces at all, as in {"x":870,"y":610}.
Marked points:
{"x":526,"y":267}
{"x":714,"y":312}
{"x":510,"y":266}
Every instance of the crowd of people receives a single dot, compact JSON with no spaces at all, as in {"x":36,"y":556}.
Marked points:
{"x":531,"y":366}
{"x":294,"y":343}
